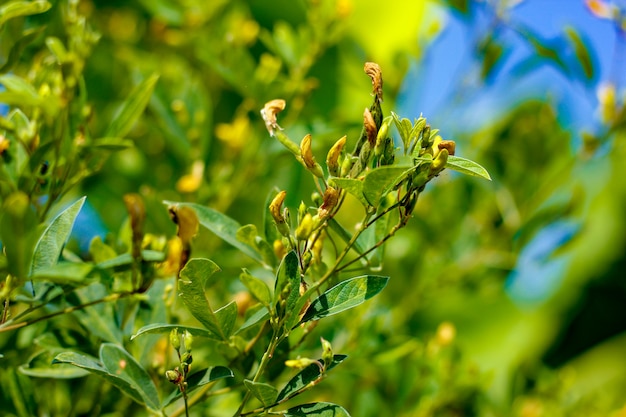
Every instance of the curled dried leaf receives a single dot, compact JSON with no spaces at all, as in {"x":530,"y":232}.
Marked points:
{"x":373,"y":70}
{"x":269,"y":112}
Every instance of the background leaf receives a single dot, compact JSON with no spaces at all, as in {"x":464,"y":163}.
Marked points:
{"x":345,"y":295}
{"x":132,"y":108}
{"x":318,"y":410}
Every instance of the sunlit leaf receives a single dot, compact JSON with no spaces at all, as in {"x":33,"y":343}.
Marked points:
{"x":265,"y":393}
{"x":352,"y":186}
{"x":69,"y":273}
{"x":132,"y":108}
{"x":193,"y":279}
{"x":50,"y":244}
{"x":16,"y":8}
{"x":161,"y":328}
{"x":257,"y":287}
{"x":380,"y":181}
{"x":223,"y":226}
{"x":317,"y":410}
{"x":345,"y":295}
{"x":467,"y":166}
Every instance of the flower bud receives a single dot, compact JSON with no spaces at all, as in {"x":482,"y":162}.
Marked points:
{"x":439,"y":163}
{"x":305,"y":228}
{"x":306,"y":155}
{"x":332,"y":159}
{"x":370,"y":127}
{"x":300,"y":363}
{"x":381,"y":136}
{"x":188,"y":339}
{"x":327,"y":353}
{"x":174,"y":339}
{"x":276,"y":212}
{"x":174,"y":376}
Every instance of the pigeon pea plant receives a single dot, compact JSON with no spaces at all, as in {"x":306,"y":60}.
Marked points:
{"x":311,"y":259}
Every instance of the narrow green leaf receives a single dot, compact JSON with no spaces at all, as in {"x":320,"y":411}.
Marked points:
{"x":120,"y":363}
{"x":132,"y":108}
{"x":112,"y":144}
{"x":198,"y":379}
{"x":40,"y":366}
{"x":50,"y":244}
{"x":161,"y":328}
{"x":18,"y":48}
{"x":299,"y":382}
{"x":125,"y":261}
{"x":16,"y":8}
{"x":67,"y":273}
{"x":258,"y":317}
{"x":92,"y":365}
{"x":352,"y":186}
{"x":265,"y":393}
{"x":191,"y":284}
{"x":467,"y":166}
{"x":257,"y":287}
{"x":223,"y":226}
{"x":582,"y":51}
{"x":320,"y":409}
{"x":345,"y":295}
{"x":344,"y":235}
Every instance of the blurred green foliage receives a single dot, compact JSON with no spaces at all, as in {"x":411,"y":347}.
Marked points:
{"x":443,"y":339}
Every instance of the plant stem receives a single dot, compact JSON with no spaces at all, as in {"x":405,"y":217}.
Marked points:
{"x":111,"y":297}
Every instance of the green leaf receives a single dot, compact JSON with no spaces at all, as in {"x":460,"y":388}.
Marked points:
{"x":257,"y":287}
{"x":352,"y":186}
{"x":467,"y":166}
{"x":226,"y":317}
{"x":582,"y":51}
{"x":265,"y":393}
{"x":288,"y":284}
{"x":345,"y":295}
{"x":68,"y":273}
{"x":344,"y":235}
{"x":302,"y":379}
{"x":18,"y":8}
{"x":120,"y":363}
{"x":258,"y":317}
{"x":132,"y":108}
{"x":57,"y":48}
{"x":28,"y":36}
{"x":249,"y":236}
{"x":198,"y":379}
{"x":193,"y":278}
{"x":112,"y":144}
{"x":161,"y":328}
{"x":380,"y":181}
{"x":40,"y":366}
{"x":100,"y":319}
{"x":18,"y":91}
{"x":224,"y":227}
{"x":93,"y":366}
{"x":320,"y":409}
{"x":125,"y":261}
{"x":50,"y":244}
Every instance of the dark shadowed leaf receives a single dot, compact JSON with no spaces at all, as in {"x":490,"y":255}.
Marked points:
{"x":317,"y":410}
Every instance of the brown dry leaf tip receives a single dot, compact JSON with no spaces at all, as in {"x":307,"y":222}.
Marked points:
{"x":269,"y":112}
{"x":372,"y":69}
{"x":370,"y":127}
{"x":450,"y":145}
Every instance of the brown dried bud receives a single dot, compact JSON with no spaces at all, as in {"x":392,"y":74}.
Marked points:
{"x":370,"y":127}
{"x":372,"y":69}
{"x":331,"y":197}
{"x":332,"y":159}
{"x":450,"y":145}
{"x":269,"y":112}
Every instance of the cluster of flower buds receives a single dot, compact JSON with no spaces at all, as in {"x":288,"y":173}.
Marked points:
{"x":178,"y":376}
